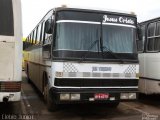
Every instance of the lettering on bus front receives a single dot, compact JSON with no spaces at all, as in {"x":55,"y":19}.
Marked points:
{"x":101,"y":69}
{"x":123,"y":20}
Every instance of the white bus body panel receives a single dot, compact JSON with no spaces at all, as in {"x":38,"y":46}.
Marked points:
{"x":37,"y":67}
{"x":94,"y":70}
{"x":6,"y":61}
{"x":149,"y":68}
{"x":17,"y":40}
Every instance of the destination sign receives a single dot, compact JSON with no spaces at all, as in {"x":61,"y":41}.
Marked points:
{"x":118,"y":19}
{"x":91,"y":16}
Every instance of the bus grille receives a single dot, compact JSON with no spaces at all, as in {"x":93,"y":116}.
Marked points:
{"x":68,"y":82}
{"x":10,"y":86}
{"x":98,"y":75}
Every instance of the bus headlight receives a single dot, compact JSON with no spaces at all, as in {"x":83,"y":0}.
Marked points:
{"x":124,"y":96}
{"x":64,"y":96}
{"x":132,"y":96}
{"x":75,"y":96}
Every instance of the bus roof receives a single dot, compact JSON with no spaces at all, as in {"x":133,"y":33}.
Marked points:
{"x":95,"y":11}
{"x":64,"y":8}
{"x":153,"y":19}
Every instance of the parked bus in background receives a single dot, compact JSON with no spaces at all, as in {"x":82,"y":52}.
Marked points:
{"x":23,"y":39}
{"x":83,"y":56}
{"x":149,"y":56}
{"x":10,"y":50}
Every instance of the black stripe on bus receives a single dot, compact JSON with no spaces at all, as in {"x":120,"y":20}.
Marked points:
{"x":83,"y":82}
{"x":151,"y":79}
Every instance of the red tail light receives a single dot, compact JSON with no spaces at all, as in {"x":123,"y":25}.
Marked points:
{"x":10,"y":86}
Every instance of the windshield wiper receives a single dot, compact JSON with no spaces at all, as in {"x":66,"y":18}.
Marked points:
{"x":92,"y":45}
{"x":101,"y":39}
{"x":112,"y":53}
{"x":104,"y":47}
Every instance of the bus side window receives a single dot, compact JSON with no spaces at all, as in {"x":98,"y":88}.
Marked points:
{"x":48,"y":35}
{"x":38,"y":34}
{"x":42,"y":32}
{"x":158,"y":29}
{"x":151,"y":37}
{"x":34,"y":37}
{"x":157,"y":38}
{"x":48,"y":31}
{"x":28,"y":43}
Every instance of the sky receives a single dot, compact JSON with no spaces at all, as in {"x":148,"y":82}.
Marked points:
{"x":34,"y":10}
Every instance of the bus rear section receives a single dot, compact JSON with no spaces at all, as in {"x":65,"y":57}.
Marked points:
{"x":10,"y":50}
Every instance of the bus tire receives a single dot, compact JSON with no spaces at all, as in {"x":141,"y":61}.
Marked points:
{"x":51,"y":106}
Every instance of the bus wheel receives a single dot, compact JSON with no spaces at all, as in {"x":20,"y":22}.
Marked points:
{"x":51,"y":106}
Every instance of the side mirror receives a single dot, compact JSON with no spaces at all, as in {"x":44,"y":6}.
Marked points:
{"x":49,"y":26}
{"x":139,"y":33}
{"x":140,"y":39}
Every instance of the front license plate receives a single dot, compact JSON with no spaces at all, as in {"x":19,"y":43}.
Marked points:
{"x":101,"y":96}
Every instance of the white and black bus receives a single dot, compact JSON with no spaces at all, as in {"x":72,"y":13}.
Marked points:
{"x":10,"y":50}
{"x":149,"y":56}
{"x":81,"y":55}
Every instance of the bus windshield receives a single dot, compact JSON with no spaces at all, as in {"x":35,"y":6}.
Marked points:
{"x":119,"y":39}
{"x":80,"y":36}
{"x":86,"y":34}
{"x":76,"y":36}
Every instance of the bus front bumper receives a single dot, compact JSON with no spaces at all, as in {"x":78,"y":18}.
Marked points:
{"x":94,"y":95}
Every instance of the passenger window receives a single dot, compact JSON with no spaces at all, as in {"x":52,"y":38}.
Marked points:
{"x":42,"y":33}
{"x":152,"y":41}
{"x":34,"y":38}
{"x":151,"y":29}
{"x":157,"y":44}
{"x":158,"y":29}
{"x":151,"y":44}
{"x":38,"y":34}
{"x":157,"y":37}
